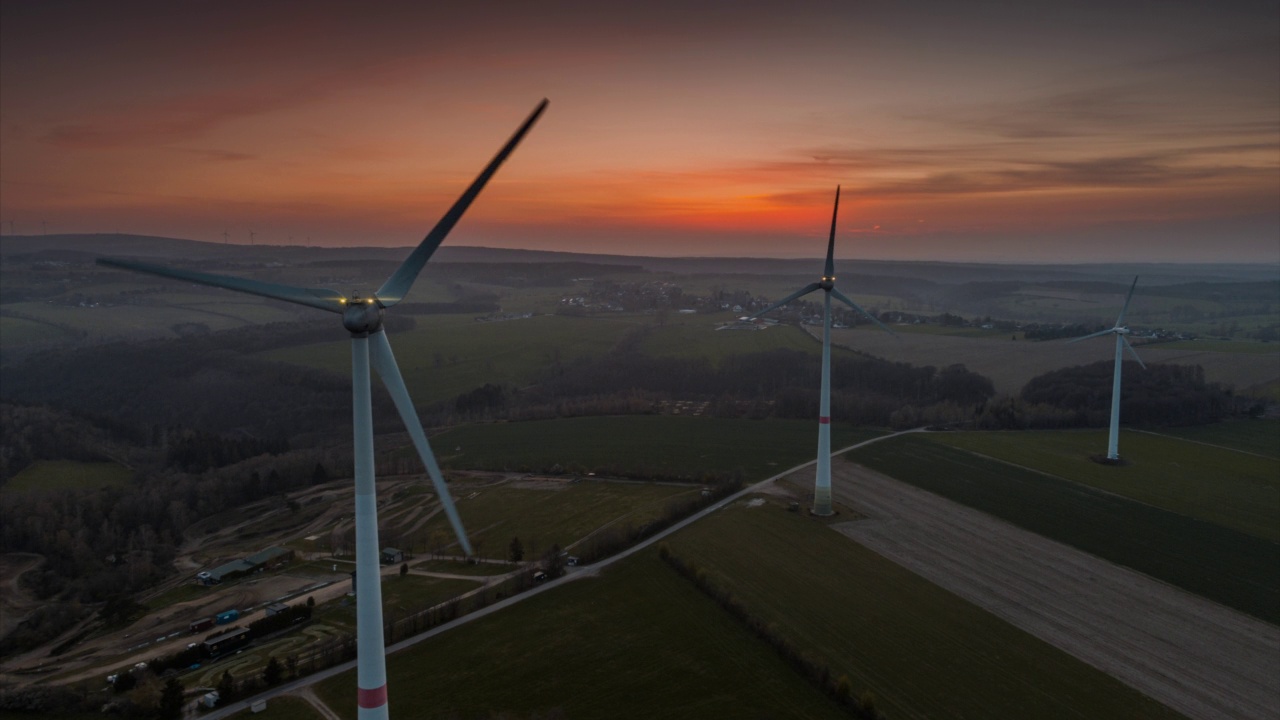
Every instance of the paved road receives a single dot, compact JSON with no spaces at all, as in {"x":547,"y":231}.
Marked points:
{"x":1199,"y":658}
{"x":573,"y":574}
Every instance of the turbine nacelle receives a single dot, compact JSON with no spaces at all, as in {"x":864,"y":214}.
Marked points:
{"x":826,"y":283}
{"x":1120,"y":330}
{"x":361,"y":316}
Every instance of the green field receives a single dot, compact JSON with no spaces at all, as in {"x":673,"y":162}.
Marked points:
{"x":672,"y":445}
{"x":180,"y":593}
{"x":1219,"y":563}
{"x":1255,"y":436}
{"x":1222,"y":486}
{"x":470,"y":353}
{"x":923,"y":651}
{"x":68,"y":475}
{"x":459,"y":567}
{"x":410,"y":593}
{"x":604,"y":647}
{"x":284,"y":707}
{"x":698,"y":337}
{"x":562,"y":513}
{"x":638,"y":642}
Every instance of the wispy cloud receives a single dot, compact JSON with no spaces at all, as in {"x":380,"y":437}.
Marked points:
{"x":177,"y":120}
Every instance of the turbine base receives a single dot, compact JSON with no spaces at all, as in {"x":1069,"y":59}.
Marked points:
{"x":1104,"y":460}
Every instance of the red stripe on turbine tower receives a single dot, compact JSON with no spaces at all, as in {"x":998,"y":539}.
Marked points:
{"x":375,"y":698}
{"x":824,"y":420}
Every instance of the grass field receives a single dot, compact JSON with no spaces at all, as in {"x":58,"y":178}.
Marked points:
{"x":1219,"y":485}
{"x":1225,"y":565}
{"x":284,"y":707}
{"x":458,"y":567}
{"x":923,"y":651}
{"x":672,"y":445}
{"x":181,"y":593}
{"x":1255,"y":436}
{"x":701,"y":339}
{"x":639,"y":642}
{"x":562,"y":513}
{"x":67,"y":475}
{"x":472,"y":353}
{"x":409,"y":593}
{"x":605,"y":647}
{"x":1228,"y":346}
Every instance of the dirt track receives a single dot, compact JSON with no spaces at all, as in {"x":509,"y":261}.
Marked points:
{"x":1200,"y":658}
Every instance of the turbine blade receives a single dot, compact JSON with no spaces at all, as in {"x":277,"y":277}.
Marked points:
{"x":397,"y":286}
{"x":385,"y":363}
{"x":803,"y":291}
{"x":320,"y":298}
{"x":1133,"y":352}
{"x":841,"y":297}
{"x":829,"y":270}
{"x":1125,"y":309}
{"x":1100,"y":333}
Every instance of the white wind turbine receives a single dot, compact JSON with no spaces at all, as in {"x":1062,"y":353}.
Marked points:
{"x":1122,"y":342}
{"x":822,"y":483}
{"x":362,"y":317}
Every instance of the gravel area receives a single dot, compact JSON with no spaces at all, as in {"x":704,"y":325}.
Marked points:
{"x":1202,"y":659}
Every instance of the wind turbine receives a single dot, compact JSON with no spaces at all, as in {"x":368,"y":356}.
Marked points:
{"x":822,"y":483}
{"x":362,"y":317}
{"x":1119,"y":330}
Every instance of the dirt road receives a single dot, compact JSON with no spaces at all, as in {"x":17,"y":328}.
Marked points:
{"x":1200,"y":658}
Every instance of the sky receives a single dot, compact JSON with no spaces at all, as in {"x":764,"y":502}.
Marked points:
{"x":980,"y":131}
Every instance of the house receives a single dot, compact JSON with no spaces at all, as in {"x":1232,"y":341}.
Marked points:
{"x":391,"y":556}
{"x":224,"y":572}
{"x":270,"y":558}
{"x":276,"y":609}
{"x":226,"y":642}
{"x":267,"y":559}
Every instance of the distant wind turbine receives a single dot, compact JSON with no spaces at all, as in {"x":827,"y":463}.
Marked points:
{"x":822,"y":483}
{"x":225,"y":235}
{"x":251,"y":236}
{"x":1122,"y":342}
{"x":362,"y":317}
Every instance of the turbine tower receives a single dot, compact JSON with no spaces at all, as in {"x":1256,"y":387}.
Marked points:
{"x":1122,"y":342}
{"x":822,"y":483}
{"x":362,"y":317}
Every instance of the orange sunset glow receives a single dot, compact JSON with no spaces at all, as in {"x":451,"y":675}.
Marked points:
{"x":992,"y":132}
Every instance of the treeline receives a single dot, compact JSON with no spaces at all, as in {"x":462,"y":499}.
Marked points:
{"x":28,"y":434}
{"x":1160,"y":395}
{"x":212,"y":383}
{"x":1077,"y":397}
{"x":815,"y":671}
{"x":775,"y":383}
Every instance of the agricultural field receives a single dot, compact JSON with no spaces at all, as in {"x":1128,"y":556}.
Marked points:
{"x":599,"y":647}
{"x":446,"y":355}
{"x":923,"y":651}
{"x":916,"y":644}
{"x":1222,"y":486}
{"x":673,"y":445}
{"x":698,"y":336}
{"x":1226,"y":565}
{"x":284,"y":707}
{"x":1261,"y":437}
{"x":45,"y":475}
{"x":1011,"y":363}
{"x":546,"y":512}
